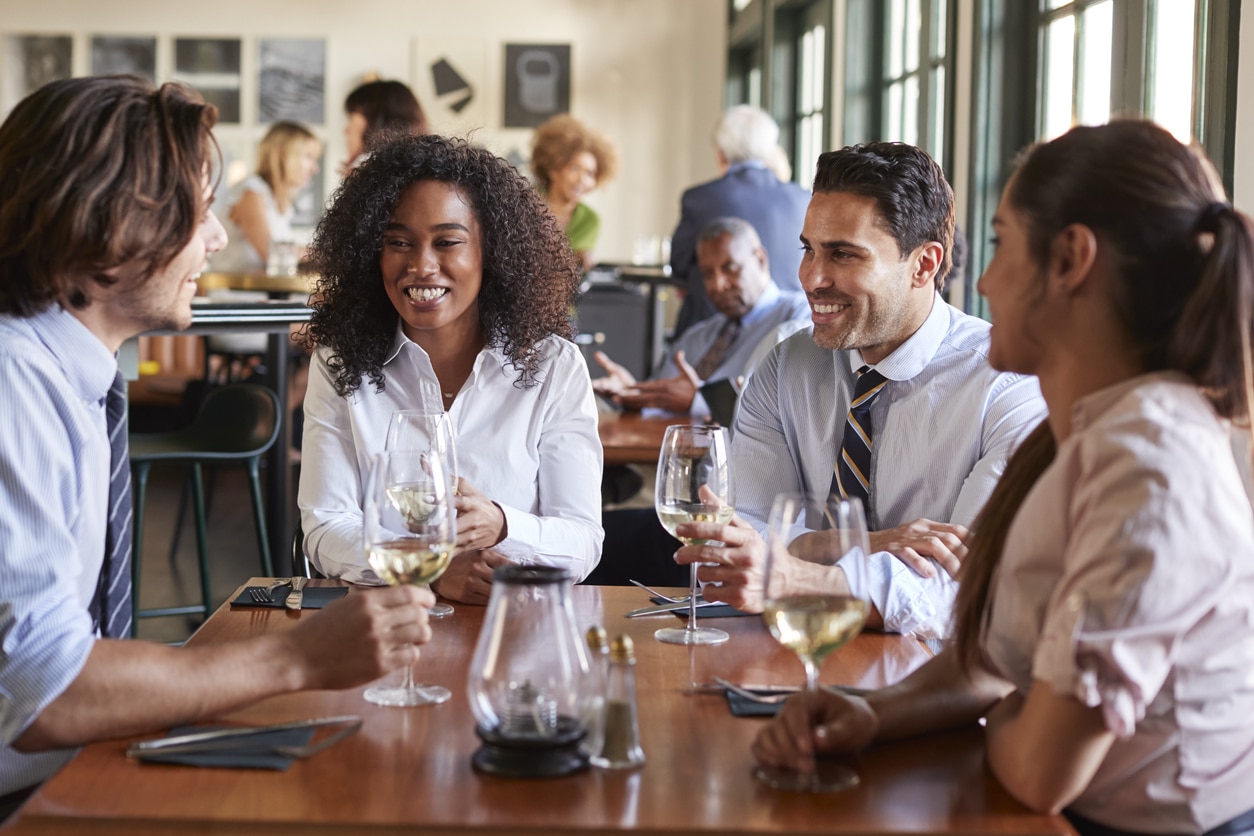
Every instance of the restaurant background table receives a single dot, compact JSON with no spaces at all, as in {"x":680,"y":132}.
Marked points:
{"x":630,"y":438}
{"x":409,"y":769}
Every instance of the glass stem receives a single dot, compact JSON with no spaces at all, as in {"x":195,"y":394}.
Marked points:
{"x":693,"y":586}
{"x":407,"y":685}
{"x":812,"y":676}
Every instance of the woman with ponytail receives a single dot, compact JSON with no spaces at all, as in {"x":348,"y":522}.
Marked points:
{"x":1105,"y":618}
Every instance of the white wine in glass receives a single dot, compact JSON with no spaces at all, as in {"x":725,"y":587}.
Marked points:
{"x":431,"y":433}
{"x":693,"y":485}
{"x":409,"y":532}
{"x":812,"y":625}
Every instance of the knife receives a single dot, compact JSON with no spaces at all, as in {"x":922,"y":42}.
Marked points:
{"x":297,"y":595}
{"x":227,"y":738}
{"x":661,"y":608}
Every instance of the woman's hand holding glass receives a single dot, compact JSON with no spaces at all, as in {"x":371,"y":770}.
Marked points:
{"x":812,"y":624}
{"x":408,"y":533}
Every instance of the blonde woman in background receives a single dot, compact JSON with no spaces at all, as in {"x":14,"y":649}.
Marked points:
{"x":569,"y":160}
{"x":259,"y":209}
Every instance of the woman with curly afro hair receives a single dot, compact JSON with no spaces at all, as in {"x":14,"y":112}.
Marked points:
{"x":445,"y":284}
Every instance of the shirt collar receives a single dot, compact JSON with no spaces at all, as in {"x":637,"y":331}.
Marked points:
{"x":88,"y":365}
{"x":763,"y":306}
{"x":400,"y":341}
{"x":914,"y":355}
{"x":743,"y":164}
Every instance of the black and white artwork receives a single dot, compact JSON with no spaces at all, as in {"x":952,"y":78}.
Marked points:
{"x":212,"y":66}
{"x":124,"y":55}
{"x":31,"y":61}
{"x":293,"y":80}
{"x":537,"y":83}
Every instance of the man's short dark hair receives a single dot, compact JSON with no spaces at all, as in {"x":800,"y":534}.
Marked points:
{"x":96,"y":173}
{"x":910,"y":190}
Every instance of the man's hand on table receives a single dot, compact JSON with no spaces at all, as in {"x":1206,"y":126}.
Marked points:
{"x":809,"y":724}
{"x":920,"y":543}
{"x":468,"y":579}
{"x":361,"y":637}
{"x":617,"y":380}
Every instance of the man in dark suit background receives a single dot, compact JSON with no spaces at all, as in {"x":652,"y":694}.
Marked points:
{"x":746,"y":141}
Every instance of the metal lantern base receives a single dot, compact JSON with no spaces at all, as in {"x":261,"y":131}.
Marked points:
{"x":531,"y":757}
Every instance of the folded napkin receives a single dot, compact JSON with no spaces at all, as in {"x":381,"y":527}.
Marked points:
{"x":316,"y":597}
{"x":742,"y":707}
{"x":708,"y":611}
{"x":249,"y":755}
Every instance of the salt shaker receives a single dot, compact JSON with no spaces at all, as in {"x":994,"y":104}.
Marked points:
{"x":594,"y":704}
{"x":620,"y":748}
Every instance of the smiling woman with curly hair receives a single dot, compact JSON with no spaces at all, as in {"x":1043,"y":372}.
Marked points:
{"x":445,"y":285}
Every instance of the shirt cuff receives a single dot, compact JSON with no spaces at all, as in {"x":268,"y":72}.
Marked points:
{"x":907,"y":602}
{"x":522,"y":531}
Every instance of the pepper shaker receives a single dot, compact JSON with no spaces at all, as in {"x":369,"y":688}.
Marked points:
{"x":620,"y":748}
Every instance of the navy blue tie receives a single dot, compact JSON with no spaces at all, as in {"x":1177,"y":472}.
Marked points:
{"x":111,"y":606}
{"x":853,"y":467}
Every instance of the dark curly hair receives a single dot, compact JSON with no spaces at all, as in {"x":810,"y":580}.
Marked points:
{"x":530,"y":274}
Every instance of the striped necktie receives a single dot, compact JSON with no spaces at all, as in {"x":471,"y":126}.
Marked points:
{"x":853,"y":468}
{"x":717,"y":352}
{"x":111,"y":605}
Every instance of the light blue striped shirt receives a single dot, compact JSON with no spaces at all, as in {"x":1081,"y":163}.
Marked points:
{"x":54,"y":486}
{"x":943,"y":427}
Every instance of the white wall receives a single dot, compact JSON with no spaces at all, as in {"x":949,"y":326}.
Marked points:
{"x":648,"y":73}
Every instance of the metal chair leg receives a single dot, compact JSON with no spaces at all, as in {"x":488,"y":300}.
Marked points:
{"x":139,"y":479}
{"x":259,"y":516}
{"x":202,"y":545}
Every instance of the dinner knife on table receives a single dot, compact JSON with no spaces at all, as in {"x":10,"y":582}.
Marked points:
{"x":297,"y":596}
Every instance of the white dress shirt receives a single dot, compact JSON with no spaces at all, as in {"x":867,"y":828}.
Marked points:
{"x":534,"y":451}
{"x":943,"y":428}
{"x":1127,"y":582}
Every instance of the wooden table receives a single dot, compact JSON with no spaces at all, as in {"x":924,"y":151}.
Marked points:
{"x":630,"y":438}
{"x":300,"y":283}
{"x":408,"y":770}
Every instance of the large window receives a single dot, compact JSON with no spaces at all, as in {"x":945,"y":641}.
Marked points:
{"x":1173,"y":61}
{"x":898,"y":76}
{"x":790,"y":79}
{"x":1084,"y":41}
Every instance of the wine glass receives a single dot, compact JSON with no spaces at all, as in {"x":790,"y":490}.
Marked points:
{"x":429,"y":432}
{"x":409,"y":532}
{"x":812,"y":624}
{"x":693,"y":485}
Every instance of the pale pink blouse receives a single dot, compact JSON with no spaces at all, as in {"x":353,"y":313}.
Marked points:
{"x":1127,"y":582}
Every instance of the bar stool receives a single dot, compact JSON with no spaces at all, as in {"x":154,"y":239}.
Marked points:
{"x":236,"y":423}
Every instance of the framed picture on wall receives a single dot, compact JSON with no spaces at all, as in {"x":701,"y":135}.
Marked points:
{"x":211,"y":65}
{"x":292,"y":83}
{"x":124,"y":55}
{"x":537,"y":83}
{"x":30,"y":62}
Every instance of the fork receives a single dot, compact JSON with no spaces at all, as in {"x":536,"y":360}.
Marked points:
{"x":683,"y":599}
{"x":260,"y":596}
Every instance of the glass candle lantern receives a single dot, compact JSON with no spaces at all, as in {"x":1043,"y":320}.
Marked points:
{"x":529,"y":675}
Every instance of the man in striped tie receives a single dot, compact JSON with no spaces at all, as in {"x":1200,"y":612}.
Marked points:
{"x":104,"y":228}
{"x":889,"y":399}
